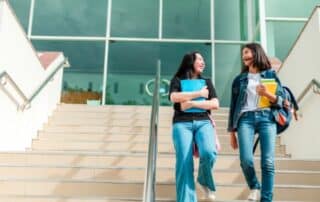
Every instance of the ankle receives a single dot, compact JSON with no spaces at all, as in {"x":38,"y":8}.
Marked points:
{"x":208,"y":194}
{"x":254,"y":195}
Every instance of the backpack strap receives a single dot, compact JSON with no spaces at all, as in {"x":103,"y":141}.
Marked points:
{"x":292,"y":98}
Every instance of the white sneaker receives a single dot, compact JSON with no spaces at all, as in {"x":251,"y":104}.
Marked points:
{"x":254,"y":195}
{"x":207,"y":192}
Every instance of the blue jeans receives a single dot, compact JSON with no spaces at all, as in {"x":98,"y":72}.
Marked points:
{"x":261,"y":122}
{"x":184,"y":135}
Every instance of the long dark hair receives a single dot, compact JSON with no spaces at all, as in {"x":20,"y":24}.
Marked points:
{"x":260,"y":59}
{"x":186,"y":67}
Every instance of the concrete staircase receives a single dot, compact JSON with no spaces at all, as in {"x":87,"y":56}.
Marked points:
{"x":98,"y":154}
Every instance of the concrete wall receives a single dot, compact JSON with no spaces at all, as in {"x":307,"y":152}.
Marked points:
{"x":20,"y":61}
{"x":299,"y":68}
{"x":17,"y":53}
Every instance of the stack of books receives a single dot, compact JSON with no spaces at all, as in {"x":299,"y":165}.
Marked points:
{"x":191,"y":85}
{"x":271,"y":86}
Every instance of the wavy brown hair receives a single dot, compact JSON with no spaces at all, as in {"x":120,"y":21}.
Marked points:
{"x":260,"y":59}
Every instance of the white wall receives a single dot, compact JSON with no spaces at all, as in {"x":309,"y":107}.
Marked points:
{"x":1,"y":6}
{"x":299,"y":68}
{"x":19,"y":127}
{"x":302,"y":138}
{"x":17,"y":53}
{"x":19,"y":60}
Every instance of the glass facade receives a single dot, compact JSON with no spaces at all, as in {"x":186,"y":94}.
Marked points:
{"x":290,"y":8}
{"x":113,"y":45}
{"x":86,"y":59}
{"x":228,"y":65}
{"x":22,"y":10}
{"x":133,"y":64}
{"x":231,"y":20}
{"x":132,"y":19}
{"x":285,"y":20}
{"x":186,"y":19}
{"x":281,"y":37}
{"x":65,"y":18}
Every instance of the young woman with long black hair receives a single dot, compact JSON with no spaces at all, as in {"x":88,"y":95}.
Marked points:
{"x":193,"y":97}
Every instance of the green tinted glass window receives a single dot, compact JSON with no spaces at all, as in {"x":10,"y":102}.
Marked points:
{"x":186,"y":19}
{"x":290,"y":8}
{"x":228,"y":65}
{"x":230,"y":19}
{"x":256,"y":26}
{"x":281,"y":37}
{"x":86,"y":60}
{"x":133,"y":64}
{"x":69,"y":17}
{"x":138,"y":18}
{"x":256,"y":12}
{"x":22,"y":9}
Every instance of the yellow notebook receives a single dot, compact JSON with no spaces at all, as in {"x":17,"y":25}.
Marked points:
{"x":271,"y":86}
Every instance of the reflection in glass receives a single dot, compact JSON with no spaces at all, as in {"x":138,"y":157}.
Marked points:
{"x":281,"y":37}
{"x":69,"y":17}
{"x":21,"y":9}
{"x":228,"y":65}
{"x":83,"y":80}
{"x":230,"y":20}
{"x":132,"y":19}
{"x":133,"y":64}
{"x":290,"y":8}
{"x":186,"y":19}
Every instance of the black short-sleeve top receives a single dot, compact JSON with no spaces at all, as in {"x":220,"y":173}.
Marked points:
{"x":182,"y":116}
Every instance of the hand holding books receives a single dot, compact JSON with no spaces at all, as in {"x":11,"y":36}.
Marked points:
{"x":192,"y":85}
{"x":268,"y":86}
{"x":204,"y":92}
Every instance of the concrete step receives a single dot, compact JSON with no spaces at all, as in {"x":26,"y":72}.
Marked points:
{"x":138,"y":173}
{"x":99,"y":116}
{"x":92,"y":188}
{"x":110,"y":121}
{"x":122,"y":108}
{"x":28,"y":198}
{"x":114,"y":129}
{"x":95,"y":154}
{"x":59,"y":121}
{"x":120,"y":146}
{"x":52,"y":198}
{"x":117,"y":159}
{"x":224,"y":139}
{"x":122,"y":131}
{"x":105,"y":115}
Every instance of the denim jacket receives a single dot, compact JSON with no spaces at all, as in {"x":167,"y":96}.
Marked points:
{"x":239,"y":96}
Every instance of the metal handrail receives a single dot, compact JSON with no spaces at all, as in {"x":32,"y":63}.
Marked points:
{"x":150,"y":177}
{"x":64,"y":63}
{"x":316,"y":89}
{"x":5,"y":77}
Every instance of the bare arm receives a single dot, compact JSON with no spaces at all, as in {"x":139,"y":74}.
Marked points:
{"x":233,"y":140}
{"x":203,"y":104}
{"x":179,"y":97}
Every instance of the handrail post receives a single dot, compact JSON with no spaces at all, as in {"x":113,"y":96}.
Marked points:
{"x":314,"y":83}
{"x":150,"y":177}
